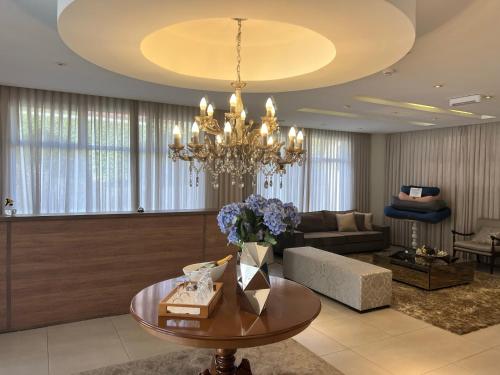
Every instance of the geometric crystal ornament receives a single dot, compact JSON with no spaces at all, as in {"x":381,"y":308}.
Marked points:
{"x":253,"y":276}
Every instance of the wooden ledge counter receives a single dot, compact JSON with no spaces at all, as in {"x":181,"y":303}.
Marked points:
{"x":64,"y":268}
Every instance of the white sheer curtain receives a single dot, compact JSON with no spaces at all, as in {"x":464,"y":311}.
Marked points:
{"x":330,"y":177}
{"x":163,"y":183}
{"x":66,"y":152}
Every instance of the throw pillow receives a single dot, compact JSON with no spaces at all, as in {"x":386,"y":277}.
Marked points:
{"x":312,"y":222}
{"x":347,"y":222}
{"x":483,"y":236}
{"x":364,"y":221}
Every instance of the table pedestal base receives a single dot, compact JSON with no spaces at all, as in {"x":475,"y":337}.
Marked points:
{"x":223,"y":364}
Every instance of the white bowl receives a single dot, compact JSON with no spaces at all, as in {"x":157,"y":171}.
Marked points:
{"x":215,"y":272}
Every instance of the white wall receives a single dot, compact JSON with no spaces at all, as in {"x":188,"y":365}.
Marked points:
{"x":377,"y":177}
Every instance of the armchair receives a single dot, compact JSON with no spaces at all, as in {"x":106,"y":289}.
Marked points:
{"x":485,"y":243}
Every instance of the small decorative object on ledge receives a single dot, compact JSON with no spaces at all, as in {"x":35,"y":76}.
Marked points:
{"x":253,"y":226}
{"x":9,"y":209}
{"x":140,"y":210}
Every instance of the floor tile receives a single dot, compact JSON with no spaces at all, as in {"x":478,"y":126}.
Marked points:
{"x":450,"y":370}
{"x":485,"y":363}
{"x":24,"y":352}
{"x":351,"y":363}
{"x":83,"y":346}
{"x":317,"y":342}
{"x":418,"y":351}
{"x":392,"y":322}
{"x":137,"y":342}
{"x":488,"y":337}
{"x":350,"y":331}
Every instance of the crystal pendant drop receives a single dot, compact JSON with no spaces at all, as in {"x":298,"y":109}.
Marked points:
{"x":266,"y":184}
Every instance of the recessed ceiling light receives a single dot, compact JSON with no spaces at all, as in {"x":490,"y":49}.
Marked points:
{"x":421,"y":123}
{"x":395,"y":113}
{"x":488,"y":97}
{"x":487,"y":117}
{"x":347,"y":106}
{"x":60,"y":63}
{"x":438,"y":86}
{"x":389,"y":72}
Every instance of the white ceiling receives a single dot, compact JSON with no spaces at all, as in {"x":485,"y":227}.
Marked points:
{"x":457,"y":45}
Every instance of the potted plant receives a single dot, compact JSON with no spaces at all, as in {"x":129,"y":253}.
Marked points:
{"x":254,"y":226}
{"x":8,"y":208}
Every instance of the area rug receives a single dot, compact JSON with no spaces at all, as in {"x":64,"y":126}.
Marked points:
{"x":461,"y":309}
{"x":283,"y":358}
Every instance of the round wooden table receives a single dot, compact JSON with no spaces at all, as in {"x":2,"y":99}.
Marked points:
{"x":290,"y":309}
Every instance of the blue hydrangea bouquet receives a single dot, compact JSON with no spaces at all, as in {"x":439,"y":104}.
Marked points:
{"x":257,"y":219}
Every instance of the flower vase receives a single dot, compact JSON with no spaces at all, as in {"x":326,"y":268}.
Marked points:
{"x":253,"y":276}
{"x":9,"y":210}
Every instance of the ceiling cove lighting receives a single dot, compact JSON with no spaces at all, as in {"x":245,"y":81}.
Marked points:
{"x":237,"y":148}
{"x":421,"y":107}
{"x":328,"y":112}
{"x":421,"y":123}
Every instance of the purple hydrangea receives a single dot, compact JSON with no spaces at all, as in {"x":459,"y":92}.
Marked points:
{"x":228,"y":215}
{"x":274,"y":219}
{"x":271,"y":217}
{"x":292,"y":214}
{"x":257,"y":203}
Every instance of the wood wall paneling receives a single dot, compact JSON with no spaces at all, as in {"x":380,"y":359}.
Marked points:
{"x":66,"y":270}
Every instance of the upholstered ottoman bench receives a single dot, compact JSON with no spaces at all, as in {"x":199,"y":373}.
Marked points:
{"x":360,"y":285}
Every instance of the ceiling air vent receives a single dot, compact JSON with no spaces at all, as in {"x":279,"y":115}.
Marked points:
{"x":463,"y":100}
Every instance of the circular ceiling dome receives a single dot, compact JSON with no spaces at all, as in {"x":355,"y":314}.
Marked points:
{"x":186,"y":47}
{"x":286,"y":46}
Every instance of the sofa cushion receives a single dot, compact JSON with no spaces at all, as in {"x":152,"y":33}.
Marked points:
{"x":363,"y":236}
{"x":364,"y":221}
{"x":474,"y":247}
{"x":312,"y":222}
{"x":484,"y":235}
{"x":417,"y":206}
{"x":347,"y":222}
{"x":331,"y":219}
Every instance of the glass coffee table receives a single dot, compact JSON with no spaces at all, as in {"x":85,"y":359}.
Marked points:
{"x":423,"y":272}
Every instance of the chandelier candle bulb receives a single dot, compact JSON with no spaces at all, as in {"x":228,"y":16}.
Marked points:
{"x":291,"y":138}
{"x":227,"y":133}
{"x":232,"y":102}
{"x":210,"y":110}
{"x":300,"y":139}
{"x":270,"y":141}
{"x":177,"y":136}
{"x":218,"y":139}
{"x":269,"y":108}
{"x":195,"y":129}
{"x":264,"y":131}
{"x":243,"y":115}
{"x":203,"y":106}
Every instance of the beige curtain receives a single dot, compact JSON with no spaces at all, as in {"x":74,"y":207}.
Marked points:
{"x":463,"y":161}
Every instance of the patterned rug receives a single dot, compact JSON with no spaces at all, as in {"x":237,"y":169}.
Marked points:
{"x":283,"y":358}
{"x":461,"y":309}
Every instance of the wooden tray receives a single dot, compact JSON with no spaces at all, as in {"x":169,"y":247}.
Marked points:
{"x":204,"y":311}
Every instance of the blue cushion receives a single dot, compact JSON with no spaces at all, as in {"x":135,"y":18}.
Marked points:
{"x":426,"y":217}
{"x":426,"y":190}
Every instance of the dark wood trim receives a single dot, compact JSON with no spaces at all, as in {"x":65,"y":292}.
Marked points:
{"x":105,"y":215}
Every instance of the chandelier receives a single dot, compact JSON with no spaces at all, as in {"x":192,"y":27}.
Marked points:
{"x":238,"y":148}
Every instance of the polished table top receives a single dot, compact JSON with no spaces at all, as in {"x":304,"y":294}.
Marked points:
{"x":290,"y":309}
